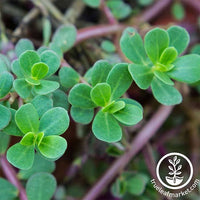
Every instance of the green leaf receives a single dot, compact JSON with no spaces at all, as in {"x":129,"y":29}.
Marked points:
{"x":4,"y":142}
{"x":28,"y":139}
{"x":137,"y":184}
{"x":101,"y":94}
{"x":131,"y":101}
{"x":54,"y":122}
{"x":100,"y":72}
{"x":68,"y":77}
{"x":106,"y":128}
{"x":187,"y":69}
{"x":21,"y":156}
{"x":141,"y":74}
{"x":165,"y":94}
{"x":92,"y":3}
{"x":168,"y":56}
{"x":195,"y":49}
{"x":41,"y":186}
{"x":88,"y":75}
{"x":119,"y":80}
{"x":46,"y":87}
{"x":22,"y":88}
{"x":119,"y":9}
{"x":114,"y":107}
{"x":5,"y":116}
{"x":129,"y":115}
{"x":16,"y":69}
{"x":32,"y":81}
{"x":118,"y":189}
{"x":39,"y":165}
{"x":132,"y":46}
{"x":178,"y":38}
{"x":12,"y":128}
{"x":39,"y":138}
{"x":79,"y":96}
{"x":108,"y":46}
{"x":27,"y":118}
{"x":27,"y":60}
{"x":65,"y":37}
{"x":6,"y":82}
{"x":22,"y":46}
{"x":53,"y":146}
{"x":51,"y":59}
{"x":163,"y":77}
{"x":42,"y":104}
{"x":42,"y":49}
{"x":4,"y":64}
{"x":60,"y":99}
{"x":82,"y":115}
{"x":46,"y":30}
{"x":145,"y":2}
{"x":7,"y":190}
{"x":39,"y":70}
{"x":155,"y":42}
{"x":178,"y":11}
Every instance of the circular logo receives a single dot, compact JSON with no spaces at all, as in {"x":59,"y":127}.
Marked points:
{"x":174,"y":171}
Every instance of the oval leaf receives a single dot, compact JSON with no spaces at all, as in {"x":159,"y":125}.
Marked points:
{"x":129,"y":115}
{"x":46,"y":87}
{"x":119,"y":80}
{"x":132,"y":46}
{"x":39,"y":70}
{"x":106,"y":128}
{"x":165,"y":94}
{"x":41,"y":186}
{"x":155,"y":42}
{"x":186,"y":69}
{"x":6,"y":81}
{"x":178,"y":38}
{"x":141,"y":74}
{"x":52,"y":147}
{"x":51,"y":60}
{"x":27,"y":60}
{"x":100,"y":72}
{"x":82,"y":115}
{"x":22,"y":88}
{"x":54,"y":122}
{"x":21,"y":156}
{"x":79,"y":96}
{"x":27,"y":118}
{"x":68,"y":77}
{"x":101,"y":94}
{"x":5,"y":116}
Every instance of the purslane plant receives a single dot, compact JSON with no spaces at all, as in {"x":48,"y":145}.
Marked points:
{"x":158,"y":61}
{"x":98,"y":96}
{"x":108,"y":84}
{"x":40,"y":133}
{"x":31,"y":69}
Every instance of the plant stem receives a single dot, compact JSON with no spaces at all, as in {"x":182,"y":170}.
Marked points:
{"x":153,"y":11}
{"x":12,"y":177}
{"x":96,"y":31}
{"x":111,"y":19}
{"x":137,"y":144}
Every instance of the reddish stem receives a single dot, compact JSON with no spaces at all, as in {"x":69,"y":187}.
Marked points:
{"x":154,"y":10}
{"x":111,"y":19}
{"x":12,"y":177}
{"x":138,"y":143}
{"x":96,"y":31}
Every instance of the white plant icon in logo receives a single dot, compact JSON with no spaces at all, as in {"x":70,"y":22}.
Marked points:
{"x":174,"y":179}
